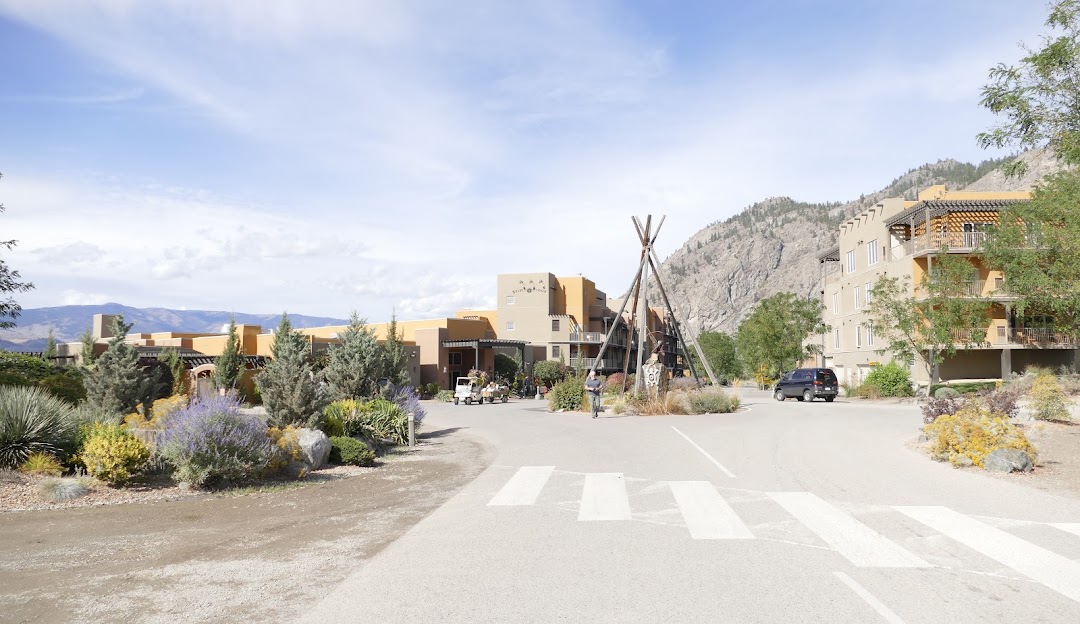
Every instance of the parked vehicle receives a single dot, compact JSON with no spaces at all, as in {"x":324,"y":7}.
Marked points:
{"x":468,"y":389}
{"x":807,"y":384}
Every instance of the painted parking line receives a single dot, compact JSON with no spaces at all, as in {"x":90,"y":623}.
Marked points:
{"x":524,"y":487}
{"x":604,"y":498}
{"x":858,"y":543}
{"x":870,"y":599}
{"x":705,"y":453}
{"x":1051,"y":569}
{"x":706,"y":513}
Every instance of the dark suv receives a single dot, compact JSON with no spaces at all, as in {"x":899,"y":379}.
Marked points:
{"x":807,"y":384}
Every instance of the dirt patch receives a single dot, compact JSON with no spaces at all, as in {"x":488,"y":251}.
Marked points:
{"x":1058,"y":470}
{"x":196,"y":558}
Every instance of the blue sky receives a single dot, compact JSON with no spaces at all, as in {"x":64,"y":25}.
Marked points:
{"x":328,"y":156}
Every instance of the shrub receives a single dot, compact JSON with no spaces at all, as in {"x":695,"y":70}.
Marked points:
{"x":932,"y":409}
{"x":64,"y":489}
{"x":160,"y":411}
{"x":32,"y":420}
{"x":431,"y":390}
{"x":683,"y":383}
{"x":28,"y":368}
{"x":1047,"y":400}
{"x":350,"y":451}
{"x":445,"y":396}
{"x":891,"y":380}
{"x":42,"y":463}
{"x":675,"y":403}
{"x":964,"y":387}
{"x":66,"y":386}
{"x":284,"y":449}
{"x":568,"y":395}
{"x":211,"y":440}
{"x":618,"y":406}
{"x":614,"y":382}
{"x":945,"y":392}
{"x":406,"y":398}
{"x":111,"y":454}
{"x":1000,"y":402}
{"x":713,"y":402}
{"x":378,"y":419}
{"x":972,"y":433}
{"x":549,"y":372}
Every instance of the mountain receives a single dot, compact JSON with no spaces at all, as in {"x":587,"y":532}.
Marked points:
{"x":69,"y":322}
{"x":717,"y":276}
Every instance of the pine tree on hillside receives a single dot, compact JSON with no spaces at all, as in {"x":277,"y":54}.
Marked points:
{"x":230,"y":364}
{"x":395,"y":357}
{"x":356,"y":364}
{"x":289,"y":387}
{"x":170,"y":357}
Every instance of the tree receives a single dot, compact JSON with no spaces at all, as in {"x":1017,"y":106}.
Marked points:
{"x":505,"y":367}
{"x":1040,"y":98}
{"x":394,"y":356}
{"x":86,"y":354}
{"x":230,"y":364}
{"x":944,"y":317}
{"x":49,"y":354}
{"x":721,"y":352}
{"x":117,"y":384}
{"x":9,"y":283}
{"x":775,"y":333}
{"x":289,"y":386}
{"x":549,"y":372}
{"x":170,"y":356}
{"x":356,"y":363}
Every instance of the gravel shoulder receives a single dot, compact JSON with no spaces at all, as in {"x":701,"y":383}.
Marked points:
{"x":206,"y":557}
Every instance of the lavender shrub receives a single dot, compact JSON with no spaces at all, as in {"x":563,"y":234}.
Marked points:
{"x":406,"y":398}
{"x":212,"y":441}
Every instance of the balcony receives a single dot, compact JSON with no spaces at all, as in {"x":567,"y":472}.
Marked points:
{"x":987,"y":289}
{"x":587,"y":337}
{"x":952,"y":241}
{"x":589,"y":363}
{"x":999,"y":335}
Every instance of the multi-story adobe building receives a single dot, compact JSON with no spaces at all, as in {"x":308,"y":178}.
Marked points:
{"x":898,"y":238}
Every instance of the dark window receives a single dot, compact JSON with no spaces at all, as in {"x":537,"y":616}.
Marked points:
{"x":554,"y":351}
{"x":455,"y":359}
{"x":554,"y":324}
{"x":826,"y":375}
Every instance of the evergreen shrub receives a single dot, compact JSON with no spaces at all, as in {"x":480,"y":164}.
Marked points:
{"x":350,"y":451}
{"x":568,"y":395}
{"x":1047,"y":400}
{"x":111,"y":454}
{"x":713,"y":402}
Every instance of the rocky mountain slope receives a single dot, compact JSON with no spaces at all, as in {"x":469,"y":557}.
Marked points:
{"x":718,"y":275}
{"x":69,"y":322}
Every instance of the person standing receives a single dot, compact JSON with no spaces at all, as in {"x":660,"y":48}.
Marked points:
{"x":592,"y":386}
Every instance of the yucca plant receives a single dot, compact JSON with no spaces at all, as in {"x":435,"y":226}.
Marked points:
{"x":31,"y":420}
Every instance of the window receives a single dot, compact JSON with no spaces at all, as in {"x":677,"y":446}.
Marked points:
{"x":871,"y":252}
{"x":509,"y":325}
{"x":554,"y":324}
{"x":851,"y":261}
{"x":836,"y":338}
{"x":858,"y":336}
{"x":555,"y":351}
{"x":510,"y":299}
{"x":858,"y":297}
{"x":455,"y":359}
{"x":869,"y":334}
{"x":836,"y":303}
{"x":869,"y":293}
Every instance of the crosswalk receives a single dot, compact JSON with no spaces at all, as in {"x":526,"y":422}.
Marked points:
{"x":707,"y":515}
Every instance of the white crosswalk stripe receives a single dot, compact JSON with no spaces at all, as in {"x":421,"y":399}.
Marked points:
{"x":707,"y":514}
{"x":857,"y":542}
{"x":1050,"y":569}
{"x":524,"y":487}
{"x":604,"y":498}
{"x":1071,"y":527}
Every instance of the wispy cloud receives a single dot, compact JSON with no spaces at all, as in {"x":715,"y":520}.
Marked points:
{"x":100,"y":98}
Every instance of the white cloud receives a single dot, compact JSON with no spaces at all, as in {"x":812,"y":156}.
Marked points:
{"x":74,"y":297}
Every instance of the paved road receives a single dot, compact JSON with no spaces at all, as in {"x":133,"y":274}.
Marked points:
{"x":784,"y":512}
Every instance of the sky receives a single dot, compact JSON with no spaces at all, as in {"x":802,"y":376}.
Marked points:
{"x":328,"y":156}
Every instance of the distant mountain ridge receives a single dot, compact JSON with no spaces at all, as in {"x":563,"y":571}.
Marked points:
{"x":69,"y":322}
{"x":717,"y":276}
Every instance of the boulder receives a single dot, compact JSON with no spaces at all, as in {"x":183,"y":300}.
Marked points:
{"x":314,"y":448}
{"x":1007,"y":460}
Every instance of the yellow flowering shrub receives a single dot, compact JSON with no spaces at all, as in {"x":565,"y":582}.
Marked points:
{"x":286,"y":448}
{"x":112,"y":454}
{"x":159,"y":411}
{"x":972,"y":432}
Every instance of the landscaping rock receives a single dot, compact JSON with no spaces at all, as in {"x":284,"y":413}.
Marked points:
{"x":314,"y":447}
{"x":962,"y":461}
{"x":1007,"y":460}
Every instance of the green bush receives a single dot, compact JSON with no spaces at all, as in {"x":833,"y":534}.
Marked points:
{"x":967,"y":387}
{"x":703,"y":402}
{"x":112,"y":454}
{"x":549,"y":372}
{"x":445,"y":396}
{"x":32,"y":420}
{"x":945,"y":392}
{"x":1047,"y":399}
{"x":431,"y":390}
{"x":27,"y":367}
{"x":350,"y":451}
{"x":568,"y":395}
{"x":67,"y":386}
{"x":378,"y":419}
{"x":891,"y":380}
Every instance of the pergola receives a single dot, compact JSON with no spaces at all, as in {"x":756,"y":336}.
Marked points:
{"x":477,"y":344}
